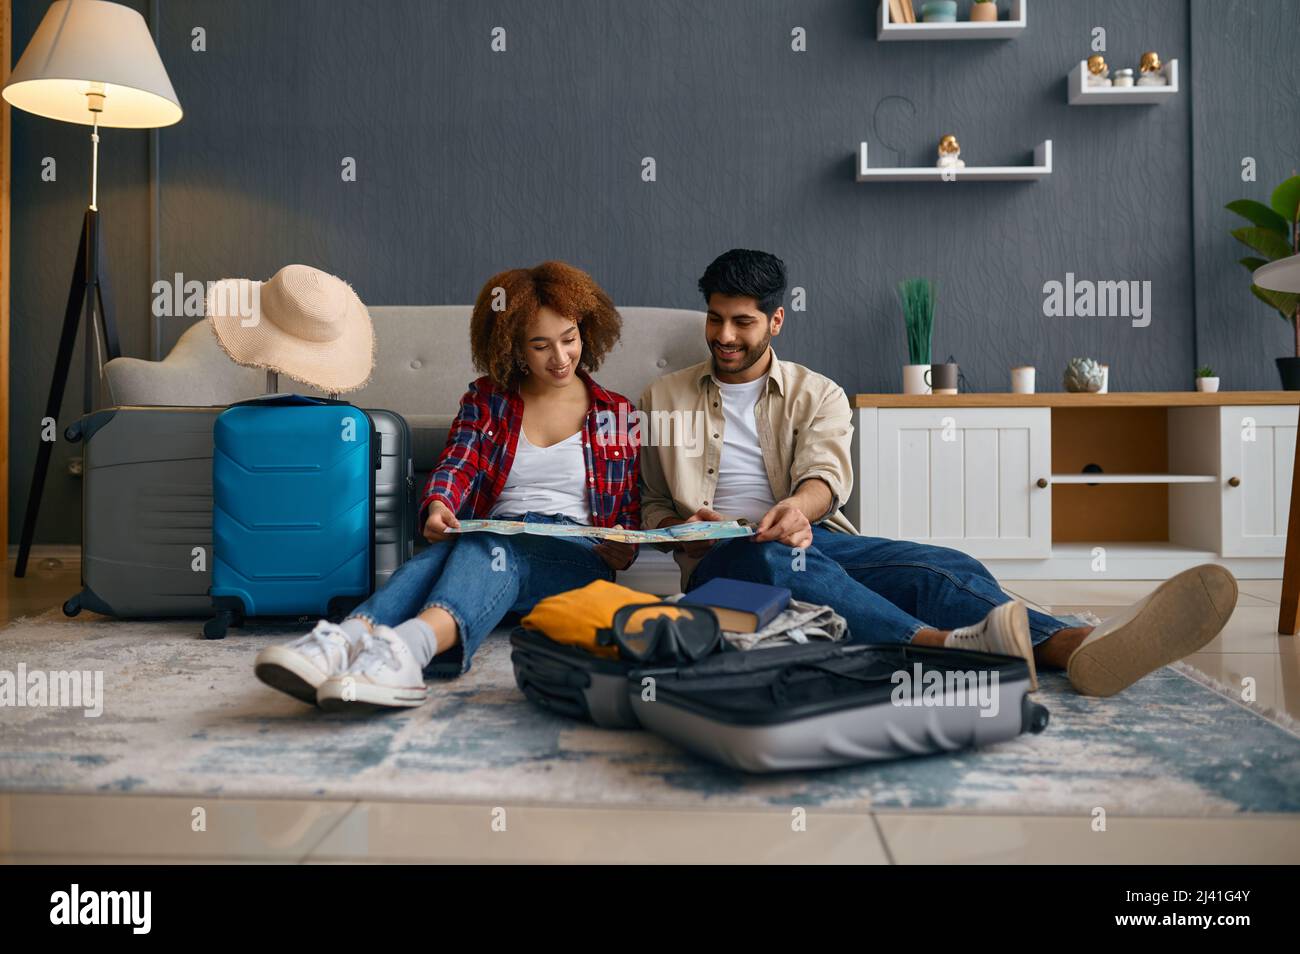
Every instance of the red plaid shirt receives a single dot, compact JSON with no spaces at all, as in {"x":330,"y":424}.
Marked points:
{"x":480,"y":451}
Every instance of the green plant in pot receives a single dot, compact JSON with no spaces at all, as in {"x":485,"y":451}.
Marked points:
{"x":917,"y":298}
{"x":1274,"y":233}
{"x":1206,"y":379}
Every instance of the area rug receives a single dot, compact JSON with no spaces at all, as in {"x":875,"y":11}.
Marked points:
{"x":182,"y":715}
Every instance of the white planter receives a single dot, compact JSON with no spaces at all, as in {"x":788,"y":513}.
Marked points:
{"x":1208,"y":385}
{"x":914,"y":379}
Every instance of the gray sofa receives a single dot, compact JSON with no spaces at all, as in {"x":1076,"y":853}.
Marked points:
{"x":422,"y":366}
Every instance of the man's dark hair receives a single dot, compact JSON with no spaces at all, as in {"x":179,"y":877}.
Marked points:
{"x":746,"y":273}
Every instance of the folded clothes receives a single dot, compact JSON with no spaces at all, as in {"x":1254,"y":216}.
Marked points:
{"x":797,"y":623}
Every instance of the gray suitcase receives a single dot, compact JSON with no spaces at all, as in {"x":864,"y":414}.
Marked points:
{"x":394,"y":495}
{"x":146,"y":545}
{"x":147,"y":509}
{"x":818,"y":706}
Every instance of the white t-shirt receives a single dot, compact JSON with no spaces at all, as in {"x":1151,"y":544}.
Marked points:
{"x":546,"y":480}
{"x":743,"y":489}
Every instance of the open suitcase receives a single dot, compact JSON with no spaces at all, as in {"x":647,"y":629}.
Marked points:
{"x":790,"y":707}
{"x":819,"y":706}
{"x":293,"y":520}
{"x":572,"y":682}
{"x":146,"y":545}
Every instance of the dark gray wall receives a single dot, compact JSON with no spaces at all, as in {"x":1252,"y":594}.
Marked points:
{"x":471,"y":161}
{"x":1245,"y":103}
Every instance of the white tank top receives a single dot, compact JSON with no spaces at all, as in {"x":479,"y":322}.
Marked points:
{"x":551,"y":480}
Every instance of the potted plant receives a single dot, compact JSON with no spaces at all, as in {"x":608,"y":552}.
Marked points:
{"x":917,"y":297}
{"x":1274,"y":233}
{"x":983,"y":11}
{"x":1206,"y":380}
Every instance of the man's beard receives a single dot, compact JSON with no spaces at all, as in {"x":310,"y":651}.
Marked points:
{"x":751,"y":356}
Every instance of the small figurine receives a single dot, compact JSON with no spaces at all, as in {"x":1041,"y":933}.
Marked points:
{"x":1098,"y":71}
{"x":950,"y":153}
{"x":1153,"y":71}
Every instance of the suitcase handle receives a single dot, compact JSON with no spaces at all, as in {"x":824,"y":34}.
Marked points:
{"x":279,"y":400}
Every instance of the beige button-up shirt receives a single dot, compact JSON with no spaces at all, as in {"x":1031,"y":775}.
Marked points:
{"x":805,"y":430}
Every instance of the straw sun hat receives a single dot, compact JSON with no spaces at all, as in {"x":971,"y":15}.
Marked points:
{"x":302,"y":323}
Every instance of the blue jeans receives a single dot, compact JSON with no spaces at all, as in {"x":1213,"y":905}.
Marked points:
{"x":886,"y":590}
{"x":480,"y":577}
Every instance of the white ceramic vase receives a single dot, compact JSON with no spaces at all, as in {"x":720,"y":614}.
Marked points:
{"x":1208,"y":385}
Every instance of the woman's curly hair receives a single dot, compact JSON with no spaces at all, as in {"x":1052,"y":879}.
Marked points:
{"x":511,"y":299}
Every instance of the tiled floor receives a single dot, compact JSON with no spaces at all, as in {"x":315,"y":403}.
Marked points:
{"x":127,"y":828}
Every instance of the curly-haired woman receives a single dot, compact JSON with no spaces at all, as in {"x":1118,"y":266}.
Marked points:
{"x":536,"y":439}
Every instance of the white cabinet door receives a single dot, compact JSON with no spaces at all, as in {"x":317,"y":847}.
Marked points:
{"x":967,"y":478}
{"x":1256,"y":454}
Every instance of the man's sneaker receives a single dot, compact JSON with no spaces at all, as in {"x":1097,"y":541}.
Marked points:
{"x":1175,"y":619}
{"x":299,"y":667}
{"x":1004,"y":631}
{"x":384,"y":674}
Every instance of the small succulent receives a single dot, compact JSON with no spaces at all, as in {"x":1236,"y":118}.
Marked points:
{"x":1083,"y":374}
{"x":1205,"y":371}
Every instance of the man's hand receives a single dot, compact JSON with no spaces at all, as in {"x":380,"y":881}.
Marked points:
{"x":787,"y":523}
{"x":695,"y":549}
{"x":440,"y":519}
{"x":618,"y":556}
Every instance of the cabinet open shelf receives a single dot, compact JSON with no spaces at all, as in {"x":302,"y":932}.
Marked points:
{"x":1134,"y":478}
{"x":1042,"y":167}
{"x":1081,"y":94}
{"x":961,"y":30}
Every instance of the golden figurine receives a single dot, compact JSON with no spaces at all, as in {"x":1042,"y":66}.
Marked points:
{"x":1098,"y":71}
{"x":1152,"y":70}
{"x":950,"y":153}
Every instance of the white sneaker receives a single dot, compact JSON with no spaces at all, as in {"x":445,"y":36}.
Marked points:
{"x":383,"y":674}
{"x":1004,"y":631}
{"x":299,"y":667}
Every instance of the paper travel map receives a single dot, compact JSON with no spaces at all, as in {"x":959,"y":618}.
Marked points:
{"x":680,"y":533}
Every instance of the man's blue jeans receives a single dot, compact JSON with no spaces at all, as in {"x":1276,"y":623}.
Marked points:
{"x":480,"y":577}
{"x":886,"y":590}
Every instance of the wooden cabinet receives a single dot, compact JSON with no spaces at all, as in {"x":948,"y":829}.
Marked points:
{"x":1073,"y":486}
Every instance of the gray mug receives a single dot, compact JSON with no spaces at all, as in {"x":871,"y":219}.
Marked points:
{"x":944,"y":378}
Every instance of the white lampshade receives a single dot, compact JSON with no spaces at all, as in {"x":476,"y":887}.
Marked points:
{"x":1282,"y":275}
{"x":85,"y":46}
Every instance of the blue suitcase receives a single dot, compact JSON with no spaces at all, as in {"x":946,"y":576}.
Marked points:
{"x":293,"y":519}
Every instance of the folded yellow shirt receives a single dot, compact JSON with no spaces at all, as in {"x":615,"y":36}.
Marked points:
{"x":576,"y":616}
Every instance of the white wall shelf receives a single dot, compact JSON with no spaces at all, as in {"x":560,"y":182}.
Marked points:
{"x":961,"y":30}
{"x":1083,"y":95}
{"x":1042,"y":167}
{"x":1134,"y":479}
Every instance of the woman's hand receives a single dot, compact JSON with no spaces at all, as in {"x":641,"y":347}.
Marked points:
{"x":618,"y":556}
{"x":440,"y":519}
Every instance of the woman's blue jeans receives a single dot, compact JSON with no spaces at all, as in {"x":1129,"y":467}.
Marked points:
{"x":886,"y":590}
{"x":480,"y":577}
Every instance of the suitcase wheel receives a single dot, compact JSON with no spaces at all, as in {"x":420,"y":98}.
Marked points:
{"x":72,"y":606}
{"x":217,"y":627}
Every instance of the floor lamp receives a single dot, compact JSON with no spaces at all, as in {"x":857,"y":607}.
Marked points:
{"x":94,"y":63}
{"x":1284,"y":276}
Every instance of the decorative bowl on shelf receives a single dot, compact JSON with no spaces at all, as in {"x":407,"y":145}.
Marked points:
{"x":939,"y":11}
